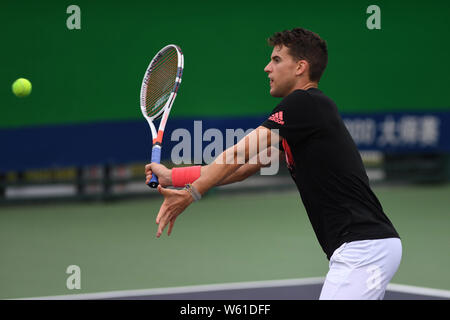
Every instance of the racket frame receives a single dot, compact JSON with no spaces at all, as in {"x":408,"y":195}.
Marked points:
{"x":164,"y":112}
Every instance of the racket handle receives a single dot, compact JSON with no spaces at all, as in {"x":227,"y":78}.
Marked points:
{"x":156,"y":158}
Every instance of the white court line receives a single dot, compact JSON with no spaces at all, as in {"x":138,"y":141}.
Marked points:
{"x":419,"y":290}
{"x":231,"y":286}
{"x":186,"y":289}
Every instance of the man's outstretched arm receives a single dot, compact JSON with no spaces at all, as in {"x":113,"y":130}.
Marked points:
{"x":250,"y":168}
{"x":176,"y":201}
{"x":232,"y":159}
{"x":254,"y":165}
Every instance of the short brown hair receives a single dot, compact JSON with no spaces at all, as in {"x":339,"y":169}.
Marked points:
{"x":304,"y":45}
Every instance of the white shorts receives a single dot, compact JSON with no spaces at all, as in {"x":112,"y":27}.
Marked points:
{"x":361,"y":270}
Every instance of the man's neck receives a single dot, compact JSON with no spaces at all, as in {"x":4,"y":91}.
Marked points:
{"x":305,"y":86}
{"x":310,"y":85}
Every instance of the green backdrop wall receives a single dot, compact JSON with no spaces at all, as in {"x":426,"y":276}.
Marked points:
{"x":94,"y":74}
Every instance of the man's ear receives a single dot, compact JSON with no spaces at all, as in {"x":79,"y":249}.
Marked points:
{"x":302,"y":67}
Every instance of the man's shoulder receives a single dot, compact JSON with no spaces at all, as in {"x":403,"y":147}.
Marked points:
{"x":298,"y":93}
{"x":319,"y":99}
{"x":296,"y":97}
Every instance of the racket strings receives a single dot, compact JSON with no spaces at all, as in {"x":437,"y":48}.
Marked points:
{"x":169,"y":63}
{"x":161,"y":82}
{"x":158,"y":102}
{"x":161,"y":85}
{"x":160,"y":88}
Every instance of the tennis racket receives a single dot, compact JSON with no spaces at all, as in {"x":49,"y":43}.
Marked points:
{"x":158,"y":91}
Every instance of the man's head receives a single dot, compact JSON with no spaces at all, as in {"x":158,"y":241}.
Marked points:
{"x":299,"y":57}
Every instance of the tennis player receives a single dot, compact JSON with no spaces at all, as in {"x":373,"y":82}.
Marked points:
{"x":362,"y":245}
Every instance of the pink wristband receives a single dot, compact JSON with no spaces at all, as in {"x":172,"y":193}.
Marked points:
{"x":184,"y":175}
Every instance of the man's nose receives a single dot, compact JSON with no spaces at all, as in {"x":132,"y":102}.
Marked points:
{"x":267,"y":68}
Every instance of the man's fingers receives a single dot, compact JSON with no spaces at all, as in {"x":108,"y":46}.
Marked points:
{"x":160,"y":214}
{"x":148,"y":173}
{"x":160,"y":223}
{"x":163,"y":208}
{"x":165,"y":192}
{"x":172,"y":222}
{"x":170,"y":209}
{"x":161,"y":227}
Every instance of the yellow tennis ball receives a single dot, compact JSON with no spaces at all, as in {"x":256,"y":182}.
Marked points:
{"x":21,"y":87}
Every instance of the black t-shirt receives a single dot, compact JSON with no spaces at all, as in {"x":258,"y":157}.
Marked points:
{"x":328,"y":171}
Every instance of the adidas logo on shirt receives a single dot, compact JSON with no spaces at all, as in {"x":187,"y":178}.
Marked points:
{"x":277,"y":117}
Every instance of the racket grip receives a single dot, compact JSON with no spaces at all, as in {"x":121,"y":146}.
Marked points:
{"x":156,"y":158}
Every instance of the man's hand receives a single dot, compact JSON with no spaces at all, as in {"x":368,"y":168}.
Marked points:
{"x":164,"y":175}
{"x":175,"y":202}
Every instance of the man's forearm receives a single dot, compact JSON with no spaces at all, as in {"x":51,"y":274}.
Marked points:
{"x":216,"y":174}
{"x":224,"y":166}
{"x":233,"y":159}
{"x":250,"y":168}
{"x":240,"y":174}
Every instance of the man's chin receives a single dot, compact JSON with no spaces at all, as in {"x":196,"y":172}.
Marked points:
{"x":275,"y":94}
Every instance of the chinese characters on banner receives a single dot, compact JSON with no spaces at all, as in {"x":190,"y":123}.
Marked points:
{"x":398,"y":131}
